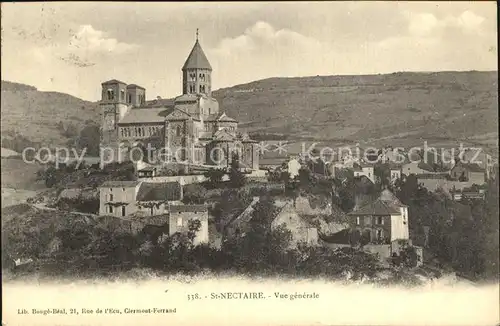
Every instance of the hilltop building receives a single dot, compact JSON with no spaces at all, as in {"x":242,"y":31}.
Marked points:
{"x":190,"y":129}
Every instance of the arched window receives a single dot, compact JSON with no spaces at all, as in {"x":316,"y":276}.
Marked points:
{"x":111,"y":94}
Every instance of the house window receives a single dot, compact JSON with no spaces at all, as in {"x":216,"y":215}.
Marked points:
{"x":110,"y":197}
{"x":152,"y":210}
{"x":122,"y":95}
{"x":192,"y":76}
{"x":130,"y":98}
{"x":122,"y":132}
{"x":379,"y":234}
{"x":123,"y":210}
{"x":178,"y":131}
{"x":111,"y":209}
{"x":380,"y":220}
{"x":111,"y":94}
{"x":179,"y":221}
{"x":358,"y":220}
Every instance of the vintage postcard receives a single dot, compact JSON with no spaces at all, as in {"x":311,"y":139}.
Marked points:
{"x":249,"y":163}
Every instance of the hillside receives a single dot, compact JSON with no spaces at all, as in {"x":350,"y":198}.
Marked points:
{"x":399,"y":108}
{"x":38,"y":116}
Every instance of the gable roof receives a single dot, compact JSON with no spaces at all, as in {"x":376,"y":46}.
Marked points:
{"x":149,"y":191}
{"x":135,"y":86}
{"x":178,"y":114}
{"x":387,"y":196}
{"x":188,"y":208}
{"x":223,"y":135}
{"x":119,"y":184}
{"x":377,"y":207}
{"x":189,"y":98}
{"x":472,"y":167}
{"x":144,"y":115}
{"x":113,"y":81}
{"x":197,"y":58}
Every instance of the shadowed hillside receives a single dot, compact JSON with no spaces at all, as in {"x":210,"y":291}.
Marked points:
{"x":44,"y":117}
{"x":398,"y":107}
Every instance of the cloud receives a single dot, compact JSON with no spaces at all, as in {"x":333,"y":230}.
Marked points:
{"x":88,"y":44}
{"x":423,"y":24}
{"x":91,"y":40}
{"x":427,"y":24}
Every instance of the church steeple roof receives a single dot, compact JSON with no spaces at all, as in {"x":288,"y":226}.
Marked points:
{"x":197,"y":58}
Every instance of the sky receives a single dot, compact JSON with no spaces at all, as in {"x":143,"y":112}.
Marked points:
{"x":74,"y":47}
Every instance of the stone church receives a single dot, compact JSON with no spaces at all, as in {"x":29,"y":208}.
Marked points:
{"x":189,"y":129}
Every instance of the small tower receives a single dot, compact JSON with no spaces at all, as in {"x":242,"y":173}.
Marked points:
{"x":136,"y":95}
{"x":196,"y":72}
{"x":113,"y":108}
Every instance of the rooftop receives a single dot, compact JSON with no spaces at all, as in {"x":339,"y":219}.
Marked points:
{"x":197,"y":59}
{"x":144,"y":115}
{"x":135,"y":86}
{"x":386,"y":204}
{"x":113,"y":81}
{"x":119,"y":184}
{"x":188,"y":208}
{"x":472,"y":167}
{"x":168,"y":191}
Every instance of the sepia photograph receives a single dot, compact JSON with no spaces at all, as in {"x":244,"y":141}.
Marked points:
{"x":251,"y":163}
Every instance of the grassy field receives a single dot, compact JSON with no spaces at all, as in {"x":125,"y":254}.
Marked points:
{"x":36,"y":115}
{"x":401,"y":109}
{"x":19,"y":175}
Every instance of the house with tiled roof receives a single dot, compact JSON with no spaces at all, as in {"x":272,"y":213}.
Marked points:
{"x":468,"y":172}
{"x":153,"y":204}
{"x":191,"y":127}
{"x":125,"y":198}
{"x":382,"y":220}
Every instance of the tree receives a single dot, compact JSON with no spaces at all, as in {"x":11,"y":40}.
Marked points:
{"x":409,"y":257}
{"x":89,"y":139}
{"x":194,"y":194}
{"x":236,"y":178}
{"x":383,"y":173}
{"x":214,"y":177}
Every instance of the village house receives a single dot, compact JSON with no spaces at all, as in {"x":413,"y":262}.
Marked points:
{"x":180,"y":217}
{"x":415,"y":168}
{"x":395,"y":172}
{"x":383,"y":220}
{"x":124,"y":198}
{"x":364,"y":170}
{"x":302,"y":228}
{"x":468,"y":172}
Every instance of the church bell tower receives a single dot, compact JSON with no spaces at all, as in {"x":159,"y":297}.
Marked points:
{"x":196,"y":72}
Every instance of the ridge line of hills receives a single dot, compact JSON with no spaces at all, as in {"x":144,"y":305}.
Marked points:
{"x":399,"y":109}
